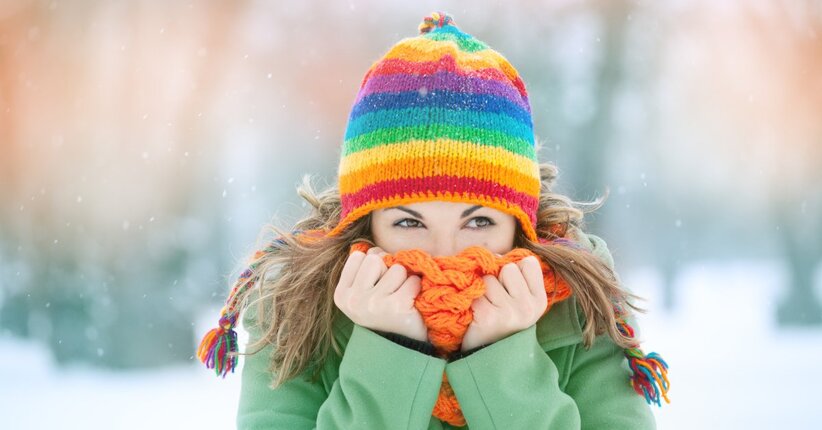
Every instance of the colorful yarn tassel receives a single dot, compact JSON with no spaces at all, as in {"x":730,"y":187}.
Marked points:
{"x":650,"y":378}
{"x":218,"y":349}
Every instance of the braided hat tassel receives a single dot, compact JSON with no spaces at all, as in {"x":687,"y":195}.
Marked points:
{"x":218,"y":348}
{"x":650,"y":378}
{"x":650,"y":372}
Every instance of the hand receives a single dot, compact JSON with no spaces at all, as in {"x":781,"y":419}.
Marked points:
{"x":380,"y":298}
{"x":510,"y":304}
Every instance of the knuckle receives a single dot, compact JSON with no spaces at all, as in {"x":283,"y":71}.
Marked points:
{"x":396,"y":307}
{"x":399,"y":268}
{"x":509,"y":270}
{"x":347,"y":302}
{"x":375,"y":306}
{"x":527,"y":310}
{"x":370,"y":263}
{"x":355,"y":257}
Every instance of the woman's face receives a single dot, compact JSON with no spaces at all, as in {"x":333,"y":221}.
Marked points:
{"x":442,"y":228}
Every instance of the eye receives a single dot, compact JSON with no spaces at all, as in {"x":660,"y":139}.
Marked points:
{"x":414,"y":223}
{"x":481,"y":222}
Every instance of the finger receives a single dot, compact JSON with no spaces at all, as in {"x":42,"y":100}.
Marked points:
{"x":352,"y":265}
{"x":391,"y":280}
{"x":481,"y":307}
{"x":410,"y":288}
{"x":376,"y":250}
{"x":532,"y":272}
{"x":370,"y":271}
{"x":340,"y":295}
{"x":513,"y":281}
{"x":494,"y":291}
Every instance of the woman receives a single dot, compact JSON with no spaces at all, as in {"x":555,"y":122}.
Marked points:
{"x":441,"y":284}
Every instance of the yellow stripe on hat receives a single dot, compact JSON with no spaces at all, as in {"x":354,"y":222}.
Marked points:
{"x":468,"y":151}
{"x":421,"y":167}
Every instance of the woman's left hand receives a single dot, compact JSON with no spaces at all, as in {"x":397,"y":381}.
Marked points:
{"x":510,"y":304}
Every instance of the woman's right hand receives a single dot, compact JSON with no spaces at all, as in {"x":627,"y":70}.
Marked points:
{"x":380,"y":298}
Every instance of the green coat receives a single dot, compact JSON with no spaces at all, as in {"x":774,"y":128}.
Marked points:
{"x":539,"y":378}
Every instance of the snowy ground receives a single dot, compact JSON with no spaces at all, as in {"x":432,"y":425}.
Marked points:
{"x":730,"y":368}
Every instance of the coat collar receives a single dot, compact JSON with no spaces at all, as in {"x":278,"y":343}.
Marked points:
{"x":561,"y":326}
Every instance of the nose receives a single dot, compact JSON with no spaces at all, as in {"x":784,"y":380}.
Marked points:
{"x":443,"y":244}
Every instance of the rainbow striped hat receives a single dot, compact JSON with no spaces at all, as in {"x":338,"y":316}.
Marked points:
{"x":440,"y":117}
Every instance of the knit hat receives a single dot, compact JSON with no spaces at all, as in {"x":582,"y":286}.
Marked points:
{"x":440,"y":117}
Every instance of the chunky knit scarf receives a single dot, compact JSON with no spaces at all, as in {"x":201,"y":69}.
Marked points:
{"x":449,"y":287}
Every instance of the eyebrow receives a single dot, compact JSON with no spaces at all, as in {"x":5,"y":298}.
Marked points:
{"x":467,"y":212}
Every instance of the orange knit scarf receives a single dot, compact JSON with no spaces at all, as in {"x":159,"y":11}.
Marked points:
{"x":449,"y":287}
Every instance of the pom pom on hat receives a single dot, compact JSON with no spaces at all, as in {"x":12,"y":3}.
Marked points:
{"x":436,"y":20}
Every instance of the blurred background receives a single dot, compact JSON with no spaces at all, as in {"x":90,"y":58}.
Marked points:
{"x":144,"y":146}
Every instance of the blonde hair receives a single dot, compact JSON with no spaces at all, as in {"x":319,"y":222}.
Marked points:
{"x":295,"y":292}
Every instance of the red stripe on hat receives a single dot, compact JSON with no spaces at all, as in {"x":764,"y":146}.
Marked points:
{"x":443,"y":186}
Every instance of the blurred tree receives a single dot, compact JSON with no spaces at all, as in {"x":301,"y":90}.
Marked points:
{"x":91,"y":290}
{"x":787,"y":36}
{"x":148,"y":327}
{"x":589,"y":167}
{"x":657,"y":233}
{"x":14,"y":208}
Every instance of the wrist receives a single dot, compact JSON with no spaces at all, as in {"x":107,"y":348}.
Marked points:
{"x":462,"y":353}
{"x":424,"y":347}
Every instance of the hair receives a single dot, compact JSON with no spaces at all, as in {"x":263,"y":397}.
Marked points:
{"x":295,"y":291}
